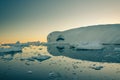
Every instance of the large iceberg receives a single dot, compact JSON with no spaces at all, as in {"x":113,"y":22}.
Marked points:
{"x":104,"y":34}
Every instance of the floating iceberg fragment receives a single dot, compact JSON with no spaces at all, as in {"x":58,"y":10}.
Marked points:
{"x":38,"y":58}
{"x":29,"y":72}
{"x":97,"y":67}
{"x":41,"y":57}
{"x":8,"y":57}
{"x":54,"y":76}
{"x":116,"y":49}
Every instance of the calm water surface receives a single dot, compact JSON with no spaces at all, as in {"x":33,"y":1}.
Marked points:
{"x":59,"y":63}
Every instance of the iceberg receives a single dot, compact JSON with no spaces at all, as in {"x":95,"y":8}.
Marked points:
{"x":104,"y":34}
{"x":99,"y":43}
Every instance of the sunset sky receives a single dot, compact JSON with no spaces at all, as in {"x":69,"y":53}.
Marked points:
{"x":33,"y":20}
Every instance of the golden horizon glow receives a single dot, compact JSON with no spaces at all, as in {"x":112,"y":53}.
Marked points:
{"x":22,"y":41}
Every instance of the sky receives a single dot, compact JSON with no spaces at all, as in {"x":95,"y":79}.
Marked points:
{"x":33,"y":20}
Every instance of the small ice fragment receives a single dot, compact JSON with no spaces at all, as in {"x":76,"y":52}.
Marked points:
{"x":27,"y":63}
{"x":97,"y":67}
{"x":41,"y":57}
{"x":116,"y":49}
{"x":8,"y":57}
{"x":30,"y":59}
{"x":38,"y":58}
{"x":54,"y":75}
{"x":29,"y":72}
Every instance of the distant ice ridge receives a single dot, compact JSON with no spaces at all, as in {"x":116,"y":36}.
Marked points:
{"x":10,"y":49}
{"x":16,"y":47}
{"x":104,"y":34}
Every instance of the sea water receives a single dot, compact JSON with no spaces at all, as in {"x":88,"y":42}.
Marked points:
{"x":60,"y":63}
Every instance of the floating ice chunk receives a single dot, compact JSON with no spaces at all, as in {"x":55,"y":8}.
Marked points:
{"x":30,"y":59}
{"x":116,"y":49}
{"x":41,"y":57}
{"x":8,"y":57}
{"x":27,"y":58}
{"x":54,"y":75}
{"x":29,"y":72}
{"x":27,"y":63}
{"x":38,"y":58}
{"x":97,"y":67}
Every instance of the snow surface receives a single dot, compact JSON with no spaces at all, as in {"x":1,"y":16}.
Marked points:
{"x":104,"y":34}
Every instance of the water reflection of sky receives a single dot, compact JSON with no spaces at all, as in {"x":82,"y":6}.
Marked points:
{"x":25,"y":66}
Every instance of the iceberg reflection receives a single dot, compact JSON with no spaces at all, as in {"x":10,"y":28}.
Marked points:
{"x":108,"y":54}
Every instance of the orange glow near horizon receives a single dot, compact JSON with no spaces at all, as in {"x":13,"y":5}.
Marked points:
{"x":3,"y":41}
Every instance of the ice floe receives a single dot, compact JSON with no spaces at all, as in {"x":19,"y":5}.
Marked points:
{"x":38,"y":58}
{"x":96,"y":67}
